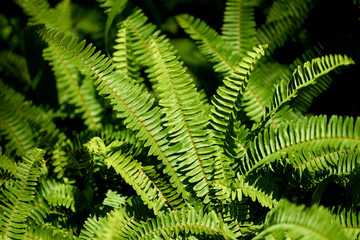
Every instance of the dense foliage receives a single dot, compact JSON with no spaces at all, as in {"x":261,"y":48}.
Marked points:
{"x":207,"y":132}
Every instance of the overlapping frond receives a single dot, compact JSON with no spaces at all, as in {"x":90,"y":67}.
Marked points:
{"x":349,"y":220}
{"x":184,"y":116}
{"x":210,"y":43}
{"x":16,"y":205}
{"x":117,"y":225}
{"x":148,"y":184}
{"x":114,"y":199}
{"x":58,"y":194}
{"x":70,"y":91}
{"x":15,"y":66}
{"x":287,"y":220}
{"x":39,"y":12}
{"x":240,"y":189}
{"x":239,"y":25}
{"x":128,"y":99}
{"x":304,"y":77}
{"x":123,"y":57}
{"x":172,"y":224}
{"x":23,"y":124}
{"x":276,"y":32}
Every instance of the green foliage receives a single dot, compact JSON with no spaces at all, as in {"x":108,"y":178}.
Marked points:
{"x":138,"y":144}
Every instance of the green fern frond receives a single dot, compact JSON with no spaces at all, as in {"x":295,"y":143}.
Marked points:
{"x":349,"y":220}
{"x":91,"y":228}
{"x":128,"y":99}
{"x":304,"y":77}
{"x":63,"y":13}
{"x":240,"y":189}
{"x":39,"y":210}
{"x":276,"y":33}
{"x":337,"y":133}
{"x":39,"y":12}
{"x":12,"y":124}
{"x":15,"y":65}
{"x":239,"y":25}
{"x":172,"y":224}
{"x":15,"y":207}
{"x":215,"y":48}
{"x":153,"y":190}
{"x":184,"y":117}
{"x":82,"y":96}
{"x":281,"y":9}
{"x":141,"y":34}
{"x":123,"y":57}
{"x":58,"y":194}
{"x":117,"y":225}
{"x":114,"y":199}
{"x":46,"y":231}
{"x":295,"y":222}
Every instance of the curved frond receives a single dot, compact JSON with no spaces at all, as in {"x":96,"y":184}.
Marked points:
{"x":15,"y":207}
{"x":337,"y":133}
{"x":46,"y":231}
{"x":152,"y":189}
{"x":184,"y":117}
{"x":188,"y":221}
{"x":117,"y":225}
{"x":215,"y":48}
{"x":128,"y":99}
{"x":281,"y":9}
{"x":15,"y":65}
{"x":240,"y":189}
{"x":296,"y":222}
{"x":114,"y":199}
{"x":304,"y":77}
{"x":239,"y":25}
{"x":349,"y":220}
{"x":82,"y":96}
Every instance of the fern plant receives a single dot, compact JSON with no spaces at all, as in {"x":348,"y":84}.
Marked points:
{"x":134,"y":148}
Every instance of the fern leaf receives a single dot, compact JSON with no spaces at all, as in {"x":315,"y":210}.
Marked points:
{"x":15,"y":208}
{"x":281,"y":9}
{"x":128,"y":98}
{"x":15,"y":65}
{"x":123,"y":57}
{"x":141,"y":34}
{"x":287,"y":219}
{"x":154,"y":192}
{"x":58,"y":194}
{"x":46,"y":231}
{"x":91,"y":227}
{"x":304,"y":77}
{"x":337,"y":133}
{"x":239,"y":25}
{"x":117,"y":225}
{"x":227,"y":103}
{"x":70,"y":91}
{"x":276,"y":33}
{"x":184,"y":117}
{"x":349,"y":220}
{"x":39,"y":12}
{"x":240,"y":189}
{"x":113,"y":199}
{"x":188,"y":221}
{"x":210,"y":44}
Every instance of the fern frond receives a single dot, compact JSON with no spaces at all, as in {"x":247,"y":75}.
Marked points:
{"x":63,"y":12}
{"x":184,"y":117}
{"x":91,"y":227}
{"x":127,"y":98}
{"x":295,"y":222}
{"x":15,"y":65}
{"x":114,"y":199}
{"x":46,"y":231}
{"x":123,"y":57}
{"x":82,"y":96}
{"x":152,"y":189}
{"x":210,"y":44}
{"x":16,"y":206}
{"x":58,"y":194}
{"x":171,"y":224}
{"x":281,"y":9}
{"x":337,"y":133}
{"x":239,"y":25}
{"x":39,"y":12}
{"x":117,"y":225}
{"x":349,"y":220}
{"x":39,"y":210}
{"x":240,"y":189}
{"x":141,"y":34}
{"x":276,"y":33}
{"x":304,"y":77}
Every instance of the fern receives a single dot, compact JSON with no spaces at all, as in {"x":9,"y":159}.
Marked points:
{"x":15,"y":208}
